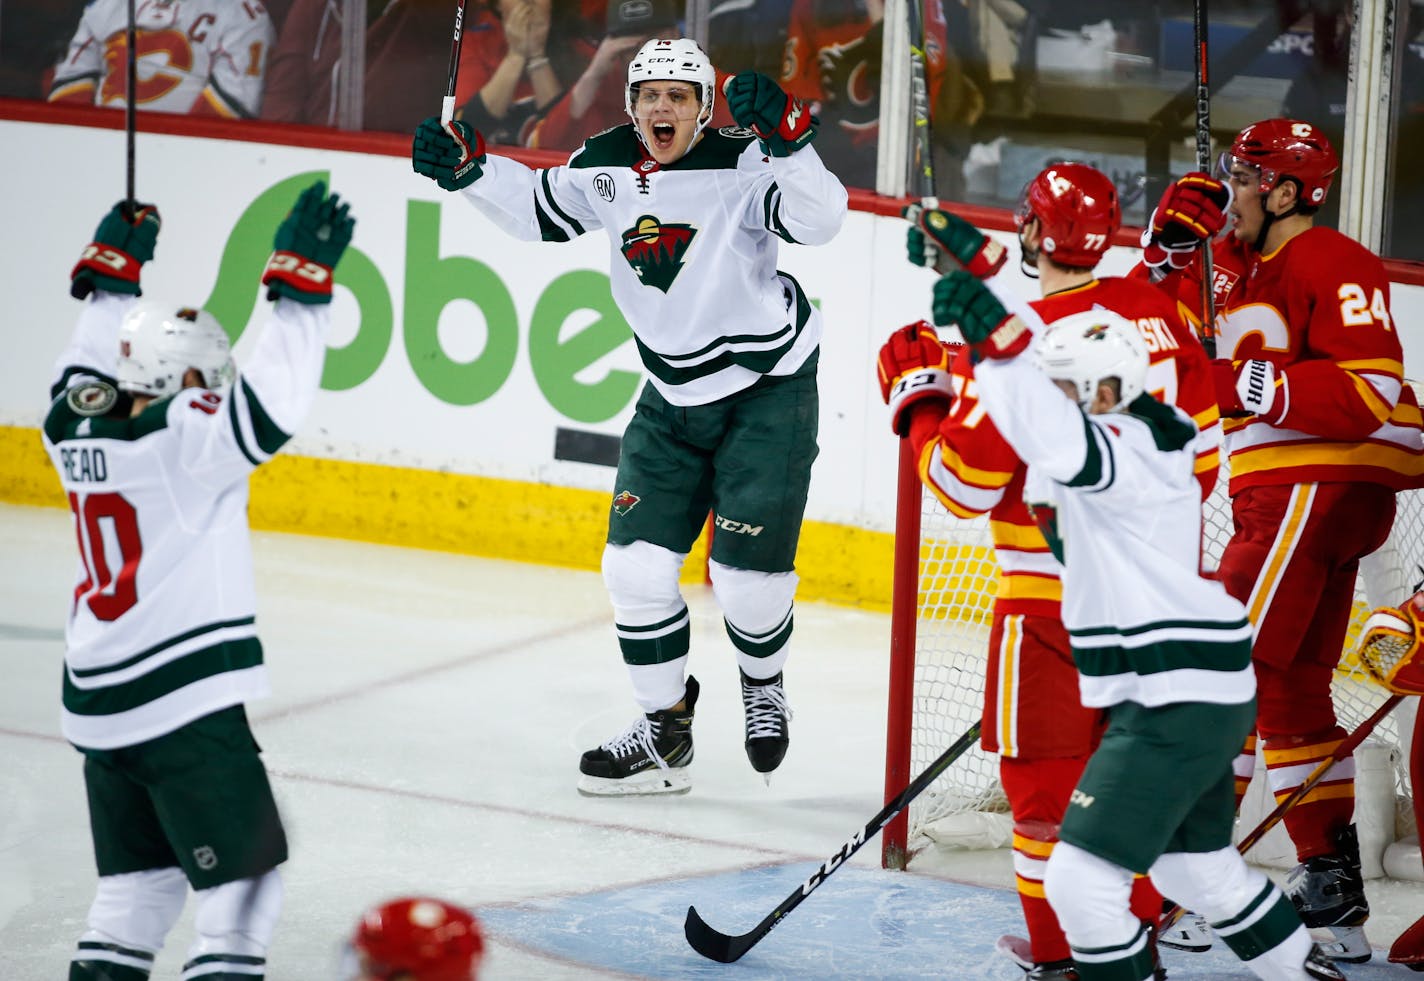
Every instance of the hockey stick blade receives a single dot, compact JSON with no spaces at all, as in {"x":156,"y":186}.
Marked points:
{"x":725,"y":948}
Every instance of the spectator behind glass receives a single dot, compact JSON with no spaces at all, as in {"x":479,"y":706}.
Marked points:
{"x":223,"y":44}
{"x":517,"y":59}
{"x":595,"y":102}
{"x":407,"y":55}
{"x":34,"y":35}
{"x":1318,"y":93}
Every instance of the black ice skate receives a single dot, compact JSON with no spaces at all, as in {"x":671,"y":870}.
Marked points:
{"x":768,"y":722}
{"x":649,"y":757}
{"x":1328,"y":891}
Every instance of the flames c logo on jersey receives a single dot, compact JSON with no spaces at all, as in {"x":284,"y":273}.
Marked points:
{"x":655,"y":250}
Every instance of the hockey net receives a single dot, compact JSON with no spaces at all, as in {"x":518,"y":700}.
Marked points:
{"x":939,"y":653}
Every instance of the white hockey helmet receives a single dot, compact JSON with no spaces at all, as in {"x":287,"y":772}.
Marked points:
{"x":1090,"y":347}
{"x":678,"y":59}
{"x":159,"y":342}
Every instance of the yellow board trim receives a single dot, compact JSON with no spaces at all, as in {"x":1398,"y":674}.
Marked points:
{"x":500,"y":519}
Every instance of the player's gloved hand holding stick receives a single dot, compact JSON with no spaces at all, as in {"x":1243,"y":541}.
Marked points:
{"x":757,"y":103}
{"x":307,"y":247}
{"x":1193,"y":210}
{"x":989,"y":329}
{"x":451,"y":154}
{"x":123,"y":242}
{"x":935,"y":234}
{"x":913,"y":367}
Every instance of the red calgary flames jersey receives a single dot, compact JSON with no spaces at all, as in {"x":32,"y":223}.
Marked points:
{"x":972,"y":469}
{"x":1317,"y":308}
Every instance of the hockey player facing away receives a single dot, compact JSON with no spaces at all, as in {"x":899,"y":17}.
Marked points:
{"x":1163,"y":650}
{"x":154,"y":434}
{"x":1321,"y":432}
{"x":415,"y":938}
{"x":728,"y":418}
{"x":1067,"y":218}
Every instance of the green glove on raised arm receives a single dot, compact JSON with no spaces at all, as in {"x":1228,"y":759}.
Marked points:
{"x":308,"y":245}
{"x":452,"y":155}
{"x":757,"y":103}
{"x":988,"y":327}
{"x":934,"y":232}
{"x":123,"y":242}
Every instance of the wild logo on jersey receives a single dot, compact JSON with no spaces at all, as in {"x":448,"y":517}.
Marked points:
{"x":655,"y":250}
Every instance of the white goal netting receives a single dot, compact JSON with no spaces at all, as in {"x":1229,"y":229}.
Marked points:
{"x":966,"y":807}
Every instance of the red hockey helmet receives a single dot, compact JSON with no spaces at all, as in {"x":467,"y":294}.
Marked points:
{"x":1077,"y":210}
{"x":1282,"y":148}
{"x":418,"y":939}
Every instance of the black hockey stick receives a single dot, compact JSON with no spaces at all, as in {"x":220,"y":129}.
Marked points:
{"x":130,"y":114}
{"x":922,"y":162}
{"x":447,"y":105}
{"x":1346,"y":747}
{"x":1208,"y":313}
{"x":721,"y":947}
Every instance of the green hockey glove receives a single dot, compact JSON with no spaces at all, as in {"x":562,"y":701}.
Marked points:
{"x":307,"y":247}
{"x":123,"y":242}
{"x":452,"y":155}
{"x":934,"y":232}
{"x":991,"y":331}
{"x":757,"y":103}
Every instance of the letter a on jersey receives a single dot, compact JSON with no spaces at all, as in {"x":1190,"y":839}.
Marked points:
{"x":655,"y":250}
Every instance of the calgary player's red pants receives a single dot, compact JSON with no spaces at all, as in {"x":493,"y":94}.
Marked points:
{"x":1034,"y":720}
{"x":1292,"y":560}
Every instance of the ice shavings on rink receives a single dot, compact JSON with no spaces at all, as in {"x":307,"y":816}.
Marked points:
{"x":862,"y":923}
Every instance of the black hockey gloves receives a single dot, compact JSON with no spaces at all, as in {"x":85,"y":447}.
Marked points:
{"x":452,"y":155}
{"x":307,"y":247}
{"x":757,"y":103}
{"x":122,"y":243}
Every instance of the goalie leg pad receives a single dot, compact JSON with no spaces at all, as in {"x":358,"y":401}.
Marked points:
{"x":234,"y":924}
{"x":758,"y":611}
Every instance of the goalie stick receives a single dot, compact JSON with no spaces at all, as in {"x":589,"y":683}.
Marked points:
{"x":1346,"y":747}
{"x":447,"y":104}
{"x":726,"y":948}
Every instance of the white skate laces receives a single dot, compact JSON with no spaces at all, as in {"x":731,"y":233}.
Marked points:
{"x":766,"y":706}
{"x":638,"y":736}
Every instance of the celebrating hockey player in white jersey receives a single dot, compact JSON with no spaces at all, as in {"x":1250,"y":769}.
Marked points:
{"x":728,"y":419}
{"x":195,"y":57}
{"x":1163,"y":650}
{"x":154,"y":433}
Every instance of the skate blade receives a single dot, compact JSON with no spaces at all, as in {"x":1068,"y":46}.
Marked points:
{"x":1190,"y":934}
{"x":647,"y":784}
{"x":1345,"y":945}
{"x":1016,"y":949}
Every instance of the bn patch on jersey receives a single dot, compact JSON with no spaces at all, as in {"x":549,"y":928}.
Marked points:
{"x":92,"y":398}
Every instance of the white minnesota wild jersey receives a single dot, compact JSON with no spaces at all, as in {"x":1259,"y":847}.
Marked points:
{"x":161,"y":627}
{"x":1118,"y":501}
{"x":204,"y":57}
{"x":692,"y":248}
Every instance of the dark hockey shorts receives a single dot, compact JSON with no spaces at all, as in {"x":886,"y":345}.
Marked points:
{"x":197,"y":798}
{"x":1159,"y":782}
{"x":747,"y":457}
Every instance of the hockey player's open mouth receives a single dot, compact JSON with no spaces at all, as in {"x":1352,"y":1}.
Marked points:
{"x":663,"y":135}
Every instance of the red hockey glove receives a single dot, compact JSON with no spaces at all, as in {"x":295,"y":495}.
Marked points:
{"x":934,"y":231}
{"x":913,"y":366}
{"x":992,"y":332}
{"x":757,"y":103}
{"x":1246,"y":388}
{"x":123,"y":242}
{"x":1193,"y":210}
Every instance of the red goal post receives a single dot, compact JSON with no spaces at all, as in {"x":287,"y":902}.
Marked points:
{"x":945,"y":577}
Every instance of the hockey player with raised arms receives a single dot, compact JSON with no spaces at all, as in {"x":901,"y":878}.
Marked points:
{"x":1067,"y":218}
{"x":728,"y":418}
{"x":154,"y":433}
{"x":1111,"y":486}
{"x":1321,"y":432}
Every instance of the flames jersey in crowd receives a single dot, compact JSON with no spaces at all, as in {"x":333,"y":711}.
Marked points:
{"x":692,"y":248}
{"x":1317,"y":308}
{"x":972,"y":469}
{"x":201,"y":57}
{"x":161,"y":627}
